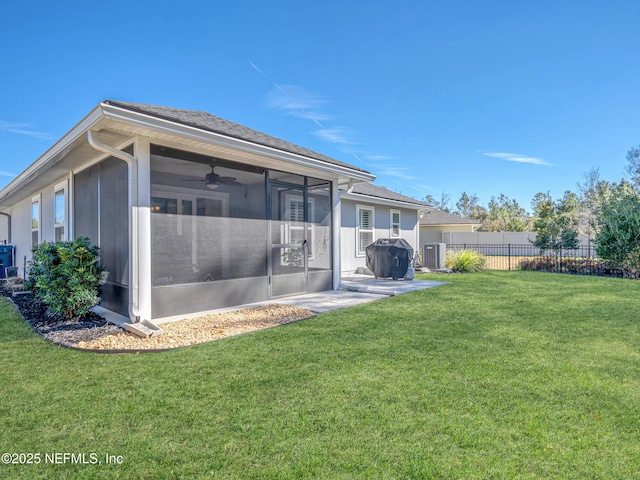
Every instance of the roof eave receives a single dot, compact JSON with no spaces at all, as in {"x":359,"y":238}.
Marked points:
{"x":162,"y":125}
{"x":382,"y":201}
{"x":55,"y":153}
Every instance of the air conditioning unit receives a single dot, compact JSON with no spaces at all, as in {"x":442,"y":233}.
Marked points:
{"x":434,"y":256}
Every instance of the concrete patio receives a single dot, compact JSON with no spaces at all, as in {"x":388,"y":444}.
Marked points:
{"x":354,"y":290}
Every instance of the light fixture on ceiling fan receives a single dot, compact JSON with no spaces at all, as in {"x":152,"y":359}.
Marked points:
{"x":213,"y":180}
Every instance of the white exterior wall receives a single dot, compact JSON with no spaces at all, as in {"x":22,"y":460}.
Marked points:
{"x":21,"y":222}
{"x":21,"y":231}
{"x":348,"y":216}
{"x":4,"y":227}
{"x":350,"y":260}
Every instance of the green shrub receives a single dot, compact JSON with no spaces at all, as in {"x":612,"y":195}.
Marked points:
{"x":66,"y":277}
{"x":618,"y":236}
{"x":539,"y":264}
{"x":574,"y":265}
{"x":466,"y":261}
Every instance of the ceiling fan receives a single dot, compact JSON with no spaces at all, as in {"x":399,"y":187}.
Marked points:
{"x":213,"y":180}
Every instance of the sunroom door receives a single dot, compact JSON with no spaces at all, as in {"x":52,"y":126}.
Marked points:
{"x":289,"y":239}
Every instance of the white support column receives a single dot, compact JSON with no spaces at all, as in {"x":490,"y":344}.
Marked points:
{"x":335,"y":244}
{"x":417,"y":228}
{"x":142,"y":152}
{"x":70,"y":233}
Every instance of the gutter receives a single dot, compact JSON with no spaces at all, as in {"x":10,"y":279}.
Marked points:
{"x":8,"y":226}
{"x":132,"y":163}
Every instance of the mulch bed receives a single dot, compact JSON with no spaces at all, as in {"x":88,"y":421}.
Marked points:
{"x":56,"y":328}
{"x":95,"y":333}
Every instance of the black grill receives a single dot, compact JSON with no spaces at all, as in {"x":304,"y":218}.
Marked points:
{"x":389,"y":257}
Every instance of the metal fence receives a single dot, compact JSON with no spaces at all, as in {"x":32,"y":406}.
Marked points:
{"x":580,"y":261}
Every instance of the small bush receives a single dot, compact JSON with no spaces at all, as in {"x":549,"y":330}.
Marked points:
{"x":573,"y":265}
{"x":66,"y":277}
{"x":538,"y":264}
{"x":466,"y":261}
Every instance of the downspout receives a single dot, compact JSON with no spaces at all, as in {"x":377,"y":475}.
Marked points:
{"x":8,"y":226}
{"x":132,"y":163}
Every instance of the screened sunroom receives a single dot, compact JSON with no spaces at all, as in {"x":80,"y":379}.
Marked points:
{"x":225,"y":233}
{"x":191,"y":212}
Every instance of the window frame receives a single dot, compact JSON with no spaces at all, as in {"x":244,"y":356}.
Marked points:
{"x":36,"y":200}
{"x":297,"y":225}
{"x":61,"y":187}
{"x":393,"y":224}
{"x":359,"y":230}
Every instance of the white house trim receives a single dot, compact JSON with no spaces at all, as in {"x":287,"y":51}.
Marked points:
{"x":63,"y":187}
{"x":36,"y":200}
{"x":336,"y":218}
{"x":392,"y":223}
{"x":372,"y":219}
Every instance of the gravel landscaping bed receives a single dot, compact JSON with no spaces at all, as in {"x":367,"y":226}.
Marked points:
{"x":95,"y":333}
{"x":203,"y":329}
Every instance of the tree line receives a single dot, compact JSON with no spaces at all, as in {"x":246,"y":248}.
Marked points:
{"x":606,"y":212}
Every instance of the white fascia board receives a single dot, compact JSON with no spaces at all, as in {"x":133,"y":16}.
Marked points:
{"x":169,"y":127}
{"x":380,"y":201}
{"x":450,"y":224}
{"x":55,"y":152}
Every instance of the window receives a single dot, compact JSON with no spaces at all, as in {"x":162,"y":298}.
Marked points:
{"x":295,"y":218}
{"x":365,"y":229}
{"x":296,"y":221}
{"x":395,"y":223}
{"x":60,"y":212}
{"x":35,"y":220}
{"x":183,"y":223}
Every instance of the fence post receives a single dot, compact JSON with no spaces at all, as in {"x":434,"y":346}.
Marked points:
{"x":509,"y":254}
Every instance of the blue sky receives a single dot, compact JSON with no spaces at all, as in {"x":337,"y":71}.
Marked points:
{"x":486,"y":97}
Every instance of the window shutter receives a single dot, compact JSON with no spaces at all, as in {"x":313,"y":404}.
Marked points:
{"x":365,"y":219}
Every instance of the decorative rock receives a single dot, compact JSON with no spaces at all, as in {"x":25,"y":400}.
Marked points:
{"x":94,"y":333}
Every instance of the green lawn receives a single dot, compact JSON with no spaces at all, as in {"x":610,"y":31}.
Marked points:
{"x":496,"y":375}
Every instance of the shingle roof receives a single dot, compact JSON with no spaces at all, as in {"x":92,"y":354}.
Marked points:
{"x":212,"y":123}
{"x":432,"y":216}
{"x":382,"y":192}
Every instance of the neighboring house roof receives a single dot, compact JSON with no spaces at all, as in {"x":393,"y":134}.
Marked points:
{"x":212,"y":123}
{"x":433,"y":216}
{"x":374,"y":192}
